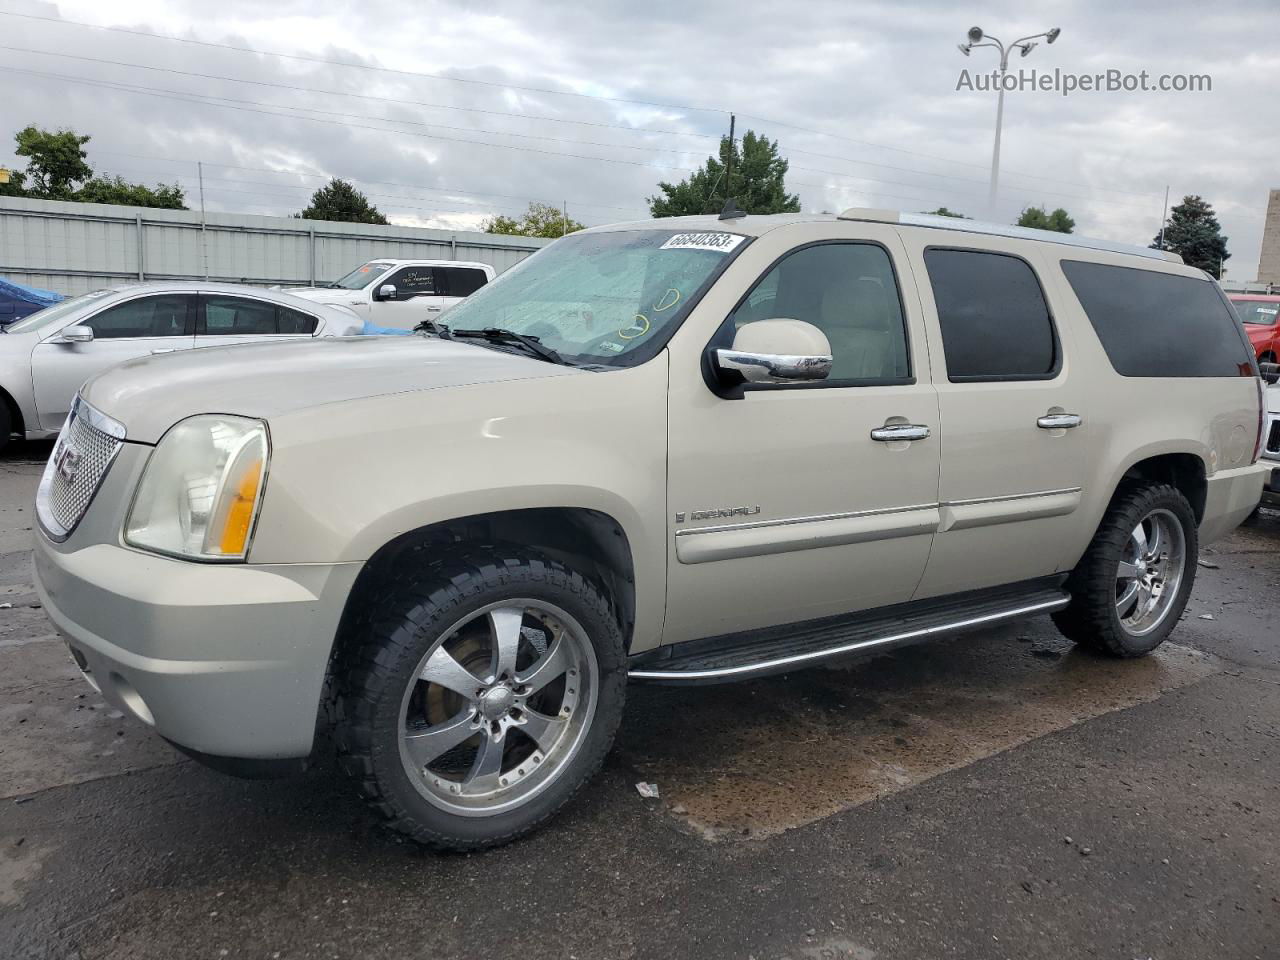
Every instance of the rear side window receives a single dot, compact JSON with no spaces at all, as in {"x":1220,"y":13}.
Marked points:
{"x":1158,"y":324}
{"x":1258,"y":312}
{"x":239,"y":317}
{"x":461,"y":281}
{"x":994,"y":318}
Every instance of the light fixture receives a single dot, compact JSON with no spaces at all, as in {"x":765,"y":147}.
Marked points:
{"x":975,"y":34}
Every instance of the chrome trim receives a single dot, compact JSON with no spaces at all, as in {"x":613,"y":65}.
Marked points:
{"x":774,"y":367}
{"x":97,"y":420}
{"x":898,"y":432}
{"x":721,"y":528}
{"x":1011,"y":496}
{"x":803,"y":658}
{"x":1059,"y":421}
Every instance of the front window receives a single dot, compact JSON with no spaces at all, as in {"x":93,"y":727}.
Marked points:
{"x":602,"y":298}
{"x":363,"y":275}
{"x":1258,"y":312}
{"x":50,"y":315}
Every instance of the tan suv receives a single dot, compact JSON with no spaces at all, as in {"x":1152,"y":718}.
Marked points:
{"x":676,"y":451}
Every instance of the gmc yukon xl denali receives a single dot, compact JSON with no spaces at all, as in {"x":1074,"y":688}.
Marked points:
{"x":677,"y":451}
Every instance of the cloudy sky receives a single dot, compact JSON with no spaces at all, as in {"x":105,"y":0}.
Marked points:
{"x":446,"y":112}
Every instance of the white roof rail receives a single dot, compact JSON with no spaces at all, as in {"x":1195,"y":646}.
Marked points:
{"x":962,"y":225}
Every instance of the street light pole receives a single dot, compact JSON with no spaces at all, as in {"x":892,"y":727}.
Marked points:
{"x":976,"y":38}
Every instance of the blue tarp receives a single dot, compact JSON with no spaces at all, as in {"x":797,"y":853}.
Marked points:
{"x":18,"y":300}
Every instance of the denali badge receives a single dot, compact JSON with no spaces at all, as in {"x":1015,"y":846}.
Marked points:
{"x":67,"y":462}
{"x":719,"y":512}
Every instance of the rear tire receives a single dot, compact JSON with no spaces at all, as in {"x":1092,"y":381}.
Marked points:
{"x":1132,"y":584}
{"x":482,"y":691}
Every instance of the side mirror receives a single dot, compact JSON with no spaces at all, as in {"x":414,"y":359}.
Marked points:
{"x":1270,"y":372}
{"x":77,"y":333}
{"x":777,"y":351}
{"x":387,"y":291}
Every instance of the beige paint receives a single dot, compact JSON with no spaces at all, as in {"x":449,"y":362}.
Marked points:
{"x":375,"y":438}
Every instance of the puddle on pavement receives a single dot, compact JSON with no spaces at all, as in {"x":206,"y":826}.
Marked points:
{"x":755,"y":759}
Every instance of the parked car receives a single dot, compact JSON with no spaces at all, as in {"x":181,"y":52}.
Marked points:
{"x":681,"y":451}
{"x":402,"y":293}
{"x":17,"y":300}
{"x":45,"y":357}
{"x":1258,"y":313}
{"x":1271,"y":434}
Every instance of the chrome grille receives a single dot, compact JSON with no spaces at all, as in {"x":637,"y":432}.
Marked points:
{"x":87,"y":445}
{"x":1273,"y":437}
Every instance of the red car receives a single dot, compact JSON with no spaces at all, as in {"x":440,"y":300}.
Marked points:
{"x":1258,"y":312}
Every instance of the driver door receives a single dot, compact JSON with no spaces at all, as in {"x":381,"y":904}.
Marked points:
{"x":419,"y":296}
{"x":149,"y":324}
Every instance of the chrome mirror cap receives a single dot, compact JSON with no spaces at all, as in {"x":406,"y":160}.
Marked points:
{"x":778,"y":350}
{"x":387,"y":291}
{"x":774,"y":367}
{"x":77,"y":333}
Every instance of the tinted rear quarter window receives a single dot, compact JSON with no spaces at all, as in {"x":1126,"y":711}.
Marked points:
{"x":462,"y":281}
{"x":1155,"y":324}
{"x":994,"y":318}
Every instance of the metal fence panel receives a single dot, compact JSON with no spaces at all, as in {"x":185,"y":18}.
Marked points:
{"x":77,"y":247}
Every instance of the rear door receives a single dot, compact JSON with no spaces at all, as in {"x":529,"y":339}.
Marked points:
{"x":144,"y":325}
{"x":224,"y":319}
{"x":458,"y":283}
{"x":1016,"y":450}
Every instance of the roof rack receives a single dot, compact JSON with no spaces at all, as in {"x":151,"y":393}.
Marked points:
{"x":964,"y":225}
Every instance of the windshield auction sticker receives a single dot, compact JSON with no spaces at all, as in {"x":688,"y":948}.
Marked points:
{"x":716,"y":242}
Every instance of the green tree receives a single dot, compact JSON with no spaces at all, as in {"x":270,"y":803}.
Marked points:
{"x":118,"y":190}
{"x":944,"y":212}
{"x":1035,"y":217}
{"x":1193,"y":231}
{"x":340,"y":201}
{"x":55,"y":161}
{"x":758,"y":186}
{"x":16,"y":185}
{"x":540,"y":220}
{"x":57,"y":170}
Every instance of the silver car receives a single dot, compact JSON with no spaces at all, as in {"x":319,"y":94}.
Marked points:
{"x":45,"y":357}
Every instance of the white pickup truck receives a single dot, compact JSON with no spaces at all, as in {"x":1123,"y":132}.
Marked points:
{"x":402,"y":293}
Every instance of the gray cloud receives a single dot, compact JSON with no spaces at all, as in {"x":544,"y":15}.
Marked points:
{"x":878,"y":75}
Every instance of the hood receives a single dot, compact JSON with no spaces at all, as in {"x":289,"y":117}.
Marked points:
{"x":150,"y":394}
{"x":344,"y":298}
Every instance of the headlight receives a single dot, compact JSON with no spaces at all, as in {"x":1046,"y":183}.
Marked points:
{"x":200,"y":490}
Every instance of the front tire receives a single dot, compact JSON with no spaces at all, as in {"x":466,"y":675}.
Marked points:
{"x":484,"y":692}
{"x":1133,"y":582}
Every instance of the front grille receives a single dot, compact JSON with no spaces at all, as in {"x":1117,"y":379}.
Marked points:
{"x":1273,"y":437}
{"x":87,"y":445}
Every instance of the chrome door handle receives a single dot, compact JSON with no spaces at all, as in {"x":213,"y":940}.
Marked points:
{"x":433,"y":309}
{"x":1059,"y":421}
{"x":165,"y":350}
{"x":896,"y":432}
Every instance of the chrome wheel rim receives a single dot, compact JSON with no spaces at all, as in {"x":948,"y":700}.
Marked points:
{"x":1150,"y":572}
{"x":498,"y":707}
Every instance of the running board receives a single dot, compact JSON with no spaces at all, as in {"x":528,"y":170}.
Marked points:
{"x":795,"y":646}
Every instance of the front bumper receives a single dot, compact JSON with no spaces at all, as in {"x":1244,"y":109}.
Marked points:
{"x":227,"y":660}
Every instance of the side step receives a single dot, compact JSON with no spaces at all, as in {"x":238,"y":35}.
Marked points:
{"x":794,"y":646}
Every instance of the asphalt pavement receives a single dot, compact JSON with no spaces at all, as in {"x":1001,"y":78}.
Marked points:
{"x":999,"y":795}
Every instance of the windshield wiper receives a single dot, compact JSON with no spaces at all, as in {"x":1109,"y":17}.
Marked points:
{"x":441,"y":330}
{"x":500,"y":335}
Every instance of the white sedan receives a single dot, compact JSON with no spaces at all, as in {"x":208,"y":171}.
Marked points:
{"x":45,"y":357}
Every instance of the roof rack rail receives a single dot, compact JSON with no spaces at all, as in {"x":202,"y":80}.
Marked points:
{"x":964,"y":225}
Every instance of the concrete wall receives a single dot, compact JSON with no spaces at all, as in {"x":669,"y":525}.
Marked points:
{"x":76,"y":247}
{"x":1269,"y":259}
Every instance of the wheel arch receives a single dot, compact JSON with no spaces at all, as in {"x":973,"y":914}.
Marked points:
{"x":590,"y":541}
{"x":1182,"y":470}
{"x":17,"y":423}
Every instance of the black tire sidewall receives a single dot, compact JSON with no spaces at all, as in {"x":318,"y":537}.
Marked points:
{"x":1156,"y":498}
{"x":421,"y":627}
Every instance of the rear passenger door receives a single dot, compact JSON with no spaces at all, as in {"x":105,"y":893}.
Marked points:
{"x":1016,"y":450}
{"x":458,"y":283}
{"x":225,"y":319}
